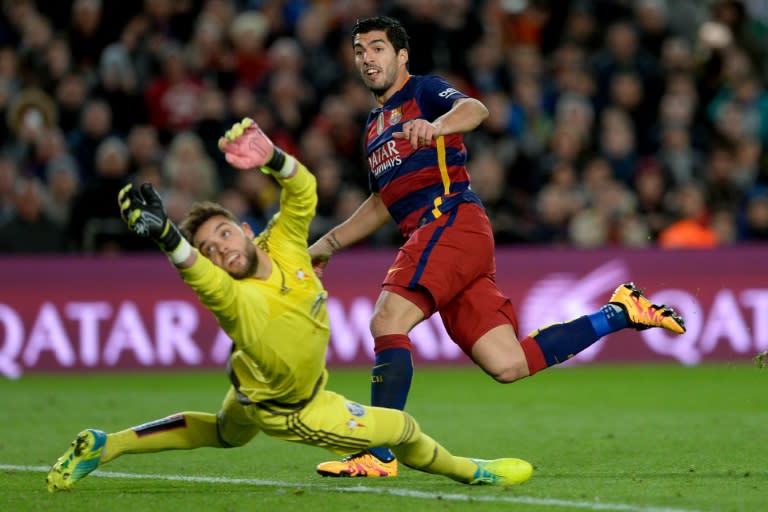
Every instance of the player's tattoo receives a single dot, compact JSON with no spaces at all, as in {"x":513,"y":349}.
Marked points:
{"x":333,"y":242}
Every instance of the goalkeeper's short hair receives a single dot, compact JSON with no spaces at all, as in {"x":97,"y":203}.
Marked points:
{"x":201,"y":212}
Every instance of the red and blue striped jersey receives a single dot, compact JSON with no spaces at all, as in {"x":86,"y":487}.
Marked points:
{"x":417,"y":185}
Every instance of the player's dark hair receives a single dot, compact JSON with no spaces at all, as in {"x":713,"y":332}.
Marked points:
{"x":390,"y":26}
{"x":201,"y":212}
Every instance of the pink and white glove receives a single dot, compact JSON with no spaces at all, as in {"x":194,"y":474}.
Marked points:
{"x":246,"y":147}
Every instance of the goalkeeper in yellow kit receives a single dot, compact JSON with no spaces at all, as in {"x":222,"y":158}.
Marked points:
{"x":266,"y":297}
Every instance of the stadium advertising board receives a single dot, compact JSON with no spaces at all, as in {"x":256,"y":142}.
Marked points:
{"x":76,"y":314}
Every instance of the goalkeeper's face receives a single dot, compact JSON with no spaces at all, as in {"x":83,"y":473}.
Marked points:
{"x":228,"y":245}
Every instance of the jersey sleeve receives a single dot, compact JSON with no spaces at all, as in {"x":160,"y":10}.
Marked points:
{"x":436,"y":96}
{"x":298,"y":200}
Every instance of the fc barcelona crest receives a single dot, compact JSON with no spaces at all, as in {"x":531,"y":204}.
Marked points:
{"x":395,"y":116}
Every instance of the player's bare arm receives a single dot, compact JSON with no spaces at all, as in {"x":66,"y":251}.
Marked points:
{"x":367,"y":219}
{"x":465,"y":115}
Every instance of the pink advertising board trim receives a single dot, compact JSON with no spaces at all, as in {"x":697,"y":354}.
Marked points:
{"x":60,"y":314}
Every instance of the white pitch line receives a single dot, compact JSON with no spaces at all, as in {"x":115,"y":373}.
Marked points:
{"x":364,"y":489}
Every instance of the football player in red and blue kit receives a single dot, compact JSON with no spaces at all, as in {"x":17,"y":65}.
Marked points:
{"x":418,"y":178}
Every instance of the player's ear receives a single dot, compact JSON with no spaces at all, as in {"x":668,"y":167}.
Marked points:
{"x":249,"y":234}
{"x":402,"y":57}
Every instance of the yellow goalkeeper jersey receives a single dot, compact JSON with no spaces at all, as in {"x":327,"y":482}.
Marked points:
{"x":279,"y":326}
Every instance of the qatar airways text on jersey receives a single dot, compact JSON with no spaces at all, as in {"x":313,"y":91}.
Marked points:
{"x":384,"y":157}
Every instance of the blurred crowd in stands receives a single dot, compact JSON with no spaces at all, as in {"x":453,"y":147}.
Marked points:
{"x":634,"y":123}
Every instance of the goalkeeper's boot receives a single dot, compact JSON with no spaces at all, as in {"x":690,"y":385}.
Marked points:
{"x":82,"y":457}
{"x":642,"y":314}
{"x":361,"y":465}
{"x":501,"y":472}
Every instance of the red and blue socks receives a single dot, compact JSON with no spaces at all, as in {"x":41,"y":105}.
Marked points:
{"x":391,"y":378}
{"x":559,"y":342}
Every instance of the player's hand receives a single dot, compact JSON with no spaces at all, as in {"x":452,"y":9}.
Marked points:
{"x":419,"y":133}
{"x":319,"y":253}
{"x":145,"y":214}
{"x":143,"y":211}
{"x":318,"y":265}
{"x":245,"y":146}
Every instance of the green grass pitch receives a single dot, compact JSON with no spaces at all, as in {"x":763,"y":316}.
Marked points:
{"x":636,"y":438}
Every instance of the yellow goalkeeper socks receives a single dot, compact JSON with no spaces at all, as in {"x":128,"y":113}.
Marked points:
{"x":182,"y":431}
{"x":426,"y":454}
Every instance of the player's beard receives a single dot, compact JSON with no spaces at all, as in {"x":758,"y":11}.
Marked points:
{"x":251,"y":262}
{"x":381,"y":89}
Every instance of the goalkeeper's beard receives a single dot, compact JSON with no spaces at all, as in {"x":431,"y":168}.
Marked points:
{"x":251,"y":263}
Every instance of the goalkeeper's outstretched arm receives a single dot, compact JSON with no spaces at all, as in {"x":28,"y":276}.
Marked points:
{"x":246,"y":147}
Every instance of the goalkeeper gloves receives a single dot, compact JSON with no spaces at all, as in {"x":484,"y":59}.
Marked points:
{"x":245,"y":146}
{"x":144,"y":213}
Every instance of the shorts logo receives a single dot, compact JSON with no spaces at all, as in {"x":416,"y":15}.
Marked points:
{"x":355,"y":409}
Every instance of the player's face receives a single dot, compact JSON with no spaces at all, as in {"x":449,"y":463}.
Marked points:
{"x":379,"y":65}
{"x":228,"y":246}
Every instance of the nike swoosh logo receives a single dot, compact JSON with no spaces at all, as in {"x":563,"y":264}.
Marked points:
{"x":382,"y":365}
{"x":394,"y":269}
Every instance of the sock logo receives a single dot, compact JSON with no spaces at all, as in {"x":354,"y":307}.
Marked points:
{"x":161,"y":425}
